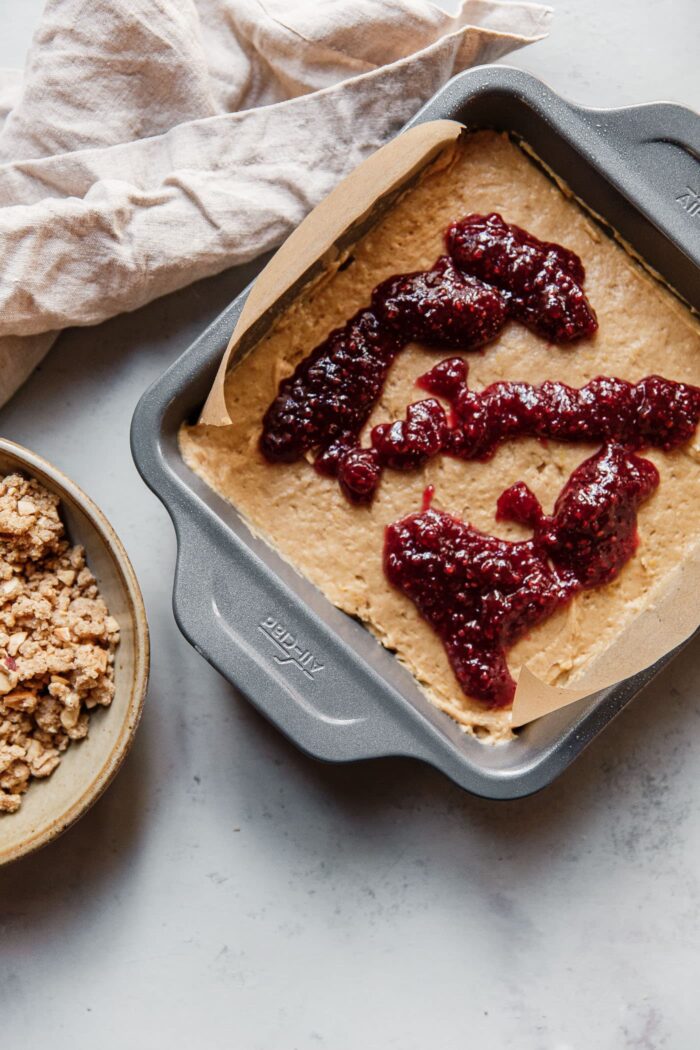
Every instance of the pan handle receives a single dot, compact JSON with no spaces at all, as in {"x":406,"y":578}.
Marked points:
{"x":282,"y":654}
{"x":292,"y":666}
{"x":659,"y":147}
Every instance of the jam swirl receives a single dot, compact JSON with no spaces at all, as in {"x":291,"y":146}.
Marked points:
{"x":332,"y":391}
{"x":478,"y":592}
{"x":543,"y":281}
{"x":462,"y":302}
{"x":481,"y":594}
{"x":440,"y":307}
{"x":655,"y":412}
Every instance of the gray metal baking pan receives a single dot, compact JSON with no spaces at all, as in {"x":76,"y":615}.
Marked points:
{"x":313,"y":671}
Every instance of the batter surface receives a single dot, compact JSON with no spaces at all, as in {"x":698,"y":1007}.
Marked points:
{"x":338,"y":546}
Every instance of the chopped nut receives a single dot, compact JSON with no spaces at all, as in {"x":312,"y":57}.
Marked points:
{"x":5,"y":683}
{"x":20,"y":700}
{"x":46,"y":762}
{"x":9,"y":803}
{"x":15,"y":641}
{"x":10,"y":588}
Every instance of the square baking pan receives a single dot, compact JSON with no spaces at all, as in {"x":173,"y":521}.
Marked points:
{"x":316,"y":673}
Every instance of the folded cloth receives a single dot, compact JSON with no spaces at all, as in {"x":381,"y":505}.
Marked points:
{"x":154,"y":142}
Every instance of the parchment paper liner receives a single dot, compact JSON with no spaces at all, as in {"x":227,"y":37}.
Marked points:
{"x":312,"y":253}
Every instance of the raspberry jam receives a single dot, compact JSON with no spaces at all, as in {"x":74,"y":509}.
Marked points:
{"x":655,"y":412}
{"x":332,"y":391}
{"x":481,"y":594}
{"x":440,"y":307}
{"x":543,"y":282}
{"x":478,"y":592}
{"x":463,"y":301}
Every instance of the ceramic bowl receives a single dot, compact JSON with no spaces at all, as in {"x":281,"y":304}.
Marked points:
{"x":88,"y":766}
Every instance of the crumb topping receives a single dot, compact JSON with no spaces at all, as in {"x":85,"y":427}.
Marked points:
{"x":57,"y":639}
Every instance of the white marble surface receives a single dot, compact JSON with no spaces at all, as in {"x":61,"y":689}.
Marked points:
{"x":229,"y":892}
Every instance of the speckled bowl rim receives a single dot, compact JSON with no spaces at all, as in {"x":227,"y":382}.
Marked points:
{"x":41,"y":469}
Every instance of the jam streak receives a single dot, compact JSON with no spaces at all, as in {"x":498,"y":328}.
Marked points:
{"x":463,"y":301}
{"x":481,"y":594}
{"x":332,"y":391}
{"x":544,"y":282}
{"x":655,"y":412}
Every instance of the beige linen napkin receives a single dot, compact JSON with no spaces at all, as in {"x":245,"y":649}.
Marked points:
{"x":150,"y":143}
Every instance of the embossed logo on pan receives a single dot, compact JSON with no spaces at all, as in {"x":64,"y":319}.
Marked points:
{"x":289,"y":651}
{"x":689,"y":201}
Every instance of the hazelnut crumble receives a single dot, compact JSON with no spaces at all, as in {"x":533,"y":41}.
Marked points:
{"x":57,"y":639}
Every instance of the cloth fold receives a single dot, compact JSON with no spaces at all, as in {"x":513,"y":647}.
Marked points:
{"x":156,"y":142}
